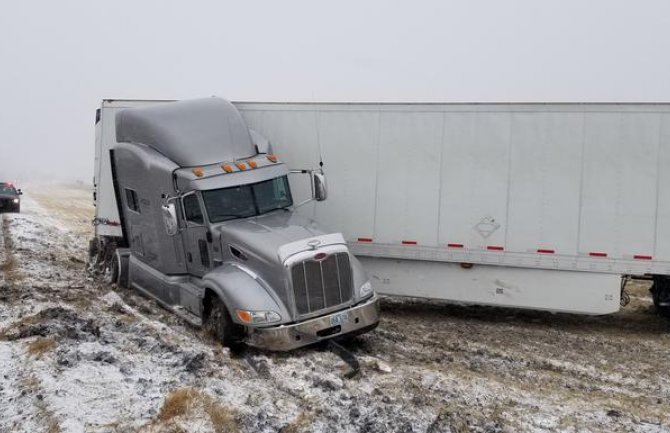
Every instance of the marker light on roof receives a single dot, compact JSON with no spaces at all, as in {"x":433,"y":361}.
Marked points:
{"x":227,"y":168}
{"x":197,"y":171}
{"x":253,"y":164}
{"x":241,"y":166}
{"x":272,"y":158}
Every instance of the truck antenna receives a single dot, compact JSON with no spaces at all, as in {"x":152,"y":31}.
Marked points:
{"x":317,"y":116}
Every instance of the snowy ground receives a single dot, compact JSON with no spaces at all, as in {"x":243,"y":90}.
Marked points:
{"x":77,"y":355}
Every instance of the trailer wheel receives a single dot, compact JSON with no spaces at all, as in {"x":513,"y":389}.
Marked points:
{"x":123,"y":279}
{"x":219,"y":325}
{"x":111,"y":274}
{"x":660,"y":293}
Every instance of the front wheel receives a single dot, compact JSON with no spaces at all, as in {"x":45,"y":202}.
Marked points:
{"x":220,"y":326}
{"x":111,"y":273}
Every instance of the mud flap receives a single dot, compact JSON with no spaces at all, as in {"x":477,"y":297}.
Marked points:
{"x":660,"y":293}
{"x":347,"y":357}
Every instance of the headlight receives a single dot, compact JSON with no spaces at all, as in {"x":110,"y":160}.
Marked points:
{"x":366,"y":289}
{"x":16,"y":200}
{"x":257,"y":317}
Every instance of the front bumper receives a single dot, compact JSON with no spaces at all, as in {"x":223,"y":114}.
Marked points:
{"x":7,"y":204}
{"x":361,"y":318}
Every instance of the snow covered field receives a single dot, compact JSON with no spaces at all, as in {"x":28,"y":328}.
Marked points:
{"x":77,"y":355}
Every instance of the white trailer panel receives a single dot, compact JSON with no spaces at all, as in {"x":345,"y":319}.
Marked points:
{"x":544,"y":182}
{"x":559,"y":291}
{"x":107,"y":219}
{"x":572,"y":187}
{"x":408,"y":178}
{"x":342,"y":134}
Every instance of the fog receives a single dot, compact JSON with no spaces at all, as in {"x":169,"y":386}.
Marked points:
{"x":59,"y":59}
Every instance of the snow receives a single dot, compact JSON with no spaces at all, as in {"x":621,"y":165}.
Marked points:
{"x":428,"y":368}
{"x":18,"y":411}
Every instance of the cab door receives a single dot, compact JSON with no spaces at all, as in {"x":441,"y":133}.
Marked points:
{"x":196,"y":236}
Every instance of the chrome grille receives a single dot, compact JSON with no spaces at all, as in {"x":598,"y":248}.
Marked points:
{"x":319,"y":285}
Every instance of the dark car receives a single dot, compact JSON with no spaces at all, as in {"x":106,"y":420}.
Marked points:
{"x":10,"y":198}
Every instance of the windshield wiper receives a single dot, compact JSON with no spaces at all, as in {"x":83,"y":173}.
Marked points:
{"x":266,"y":211}
{"x":233,"y":216}
{"x":281,"y":207}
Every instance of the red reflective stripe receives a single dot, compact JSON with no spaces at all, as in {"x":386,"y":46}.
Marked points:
{"x":641,"y":257}
{"x":364,"y":239}
{"x":545,"y":251}
{"x":455,"y":245}
{"x":409,"y":242}
{"x":495,"y":248}
{"x":598,"y":254}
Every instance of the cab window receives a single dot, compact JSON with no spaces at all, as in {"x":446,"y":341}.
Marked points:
{"x":192,"y":211}
{"x":131,"y":200}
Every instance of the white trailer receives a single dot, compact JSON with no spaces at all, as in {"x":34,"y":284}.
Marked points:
{"x":542,"y":206}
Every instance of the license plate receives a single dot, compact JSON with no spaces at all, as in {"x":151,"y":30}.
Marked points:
{"x":339,"y":318}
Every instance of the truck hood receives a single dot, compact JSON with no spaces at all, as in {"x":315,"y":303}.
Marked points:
{"x":264,"y":235}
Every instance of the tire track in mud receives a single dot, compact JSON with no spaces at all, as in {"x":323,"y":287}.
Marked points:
{"x":309,"y":379}
{"x":599,"y":364}
{"x":261,"y":366}
{"x":8,"y":262}
{"x":27,"y":408}
{"x":428,"y":367}
{"x":3,"y":250}
{"x":299,"y":389}
{"x":54,"y":279}
{"x":503,"y":353}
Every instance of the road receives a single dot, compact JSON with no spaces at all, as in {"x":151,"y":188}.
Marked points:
{"x":78,"y":355}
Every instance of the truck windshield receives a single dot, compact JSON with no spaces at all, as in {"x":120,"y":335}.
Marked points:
{"x":247,"y":200}
{"x":6,"y":188}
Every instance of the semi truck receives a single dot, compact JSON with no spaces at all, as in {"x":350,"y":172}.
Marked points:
{"x":547,"y":206}
{"x":194,"y":209}
{"x":550,"y":206}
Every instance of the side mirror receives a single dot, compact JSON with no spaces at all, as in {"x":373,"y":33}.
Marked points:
{"x":170,"y":219}
{"x":19,"y":192}
{"x":319,"y":189}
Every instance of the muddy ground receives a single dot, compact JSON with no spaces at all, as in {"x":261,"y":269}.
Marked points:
{"x":77,"y":355}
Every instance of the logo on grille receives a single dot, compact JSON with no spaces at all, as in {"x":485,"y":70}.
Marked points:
{"x":320,"y":256}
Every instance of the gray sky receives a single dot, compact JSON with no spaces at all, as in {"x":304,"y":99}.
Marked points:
{"x":58,"y":59}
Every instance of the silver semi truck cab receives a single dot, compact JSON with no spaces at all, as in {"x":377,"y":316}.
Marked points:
{"x":194,"y":210}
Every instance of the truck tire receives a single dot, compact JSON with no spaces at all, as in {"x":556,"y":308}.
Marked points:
{"x":111,"y":274}
{"x":219,"y":325}
{"x":660,"y":293}
{"x":123,"y":280}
